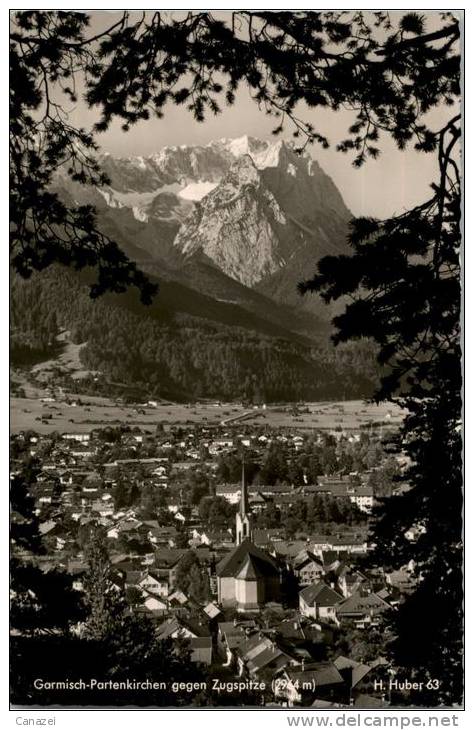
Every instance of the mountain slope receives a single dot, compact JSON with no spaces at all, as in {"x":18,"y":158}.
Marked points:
{"x":168,"y":352}
{"x":239,"y":226}
{"x":273,"y":211}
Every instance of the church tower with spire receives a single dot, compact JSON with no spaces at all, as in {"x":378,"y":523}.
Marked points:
{"x":247,"y":577}
{"x":242,"y":519}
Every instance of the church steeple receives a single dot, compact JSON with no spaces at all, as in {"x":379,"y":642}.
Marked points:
{"x":242,"y":518}
{"x":244,"y":502}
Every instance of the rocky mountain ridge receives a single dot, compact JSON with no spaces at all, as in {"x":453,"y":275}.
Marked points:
{"x":250,"y":207}
{"x":253,"y":211}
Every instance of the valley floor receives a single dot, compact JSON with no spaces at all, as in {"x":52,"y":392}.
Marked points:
{"x":61,"y":411}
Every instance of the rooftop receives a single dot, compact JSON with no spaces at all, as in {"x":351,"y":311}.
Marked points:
{"x":233,"y":563}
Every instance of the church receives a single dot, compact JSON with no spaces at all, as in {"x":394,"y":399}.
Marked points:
{"x":248,"y":577}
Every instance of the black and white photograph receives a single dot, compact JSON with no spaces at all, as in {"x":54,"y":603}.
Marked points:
{"x":236,"y":360}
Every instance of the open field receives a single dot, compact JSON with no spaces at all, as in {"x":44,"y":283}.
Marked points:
{"x":93,"y":412}
{"x":68,"y":361}
{"x":346,"y":415}
{"x":83,"y":413}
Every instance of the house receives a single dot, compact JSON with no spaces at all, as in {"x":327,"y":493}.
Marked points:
{"x":321,"y":543}
{"x":102,"y":507}
{"x":82,"y":451}
{"x":182,"y":466}
{"x":282,"y":500}
{"x":154,"y":583}
{"x":362,"y":610}
{"x":80,"y":477}
{"x":201,"y":649}
{"x":273,"y":490}
{"x":78,"y":570}
{"x":260,"y":653}
{"x":220,"y":538}
{"x":45,"y":475}
{"x":231,"y":634}
{"x":288,"y":549}
{"x":300,"y":632}
{"x":133,"y":573}
{"x":218,"y":446}
{"x":334,"y":488}
{"x":264,"y":537}
{"x":161,"y":535}
{"x":363,"y":497}
{"x":55,"y":536}
{"x":179,"y":627}
{"x":65,"y":477}
{"x":79,"y":437}
{"x":307,"y":567}
{"x":349,"y":542}
{"x":212,"y":611}
{"x":319,"y":601}
{"x":166,"y":564}
{"x":124,"y":526}
{"x":177,"y":598}
{"x":160,"y":471}
{"x":257,"y":502}
{"x":229,"y":492}
{"x":351,"y":582}
{"x":155,"y":604}
{"x":333,"y":560}
{"x":402,"y":579}
{"x":46,"y":527}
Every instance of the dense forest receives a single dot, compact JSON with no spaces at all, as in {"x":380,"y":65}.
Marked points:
{"x":175,"y":355}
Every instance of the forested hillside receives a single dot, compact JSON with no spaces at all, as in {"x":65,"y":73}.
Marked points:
{"x":175,"y":355}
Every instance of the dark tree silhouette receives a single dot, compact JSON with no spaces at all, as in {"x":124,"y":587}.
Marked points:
{"x":46,"y":51}
{"x":403,"y":285}
{"x":40,"y":602}
{"x":104,"y":603}
{"x":191,"y":578}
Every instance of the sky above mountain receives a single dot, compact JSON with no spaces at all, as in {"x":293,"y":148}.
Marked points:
{"x":393,"y":183}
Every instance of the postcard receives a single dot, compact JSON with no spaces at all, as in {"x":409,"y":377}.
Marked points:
{"x":236,"y":436}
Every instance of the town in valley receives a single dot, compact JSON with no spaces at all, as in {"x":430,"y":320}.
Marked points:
{"x":242,"y":537}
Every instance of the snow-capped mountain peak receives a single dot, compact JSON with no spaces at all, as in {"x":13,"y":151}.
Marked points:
{"x":250,"y":206}
{"x":270,"y":207}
